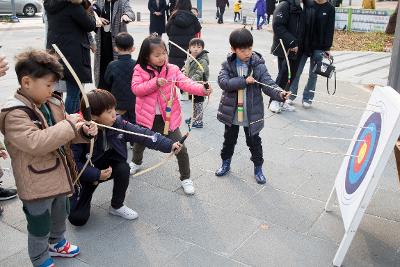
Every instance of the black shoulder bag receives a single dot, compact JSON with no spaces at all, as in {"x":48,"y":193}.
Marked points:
{"x":326,"y":70}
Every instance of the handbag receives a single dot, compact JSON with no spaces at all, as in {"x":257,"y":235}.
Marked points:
{"x":326,"y":70}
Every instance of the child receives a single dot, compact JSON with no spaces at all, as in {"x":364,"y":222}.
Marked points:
{"x":241,"y":71}
{"x":37,"y":133}
{"x":193,"y":71}
{"x":153,"y":83}
{"x":109,"y":158}
{"x":5,"y":194}
{"x":261,"y":10}
{"x":118,"y":76}
{"x":237,"y":8}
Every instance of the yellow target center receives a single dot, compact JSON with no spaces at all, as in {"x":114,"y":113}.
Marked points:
{"x":361,"y":155}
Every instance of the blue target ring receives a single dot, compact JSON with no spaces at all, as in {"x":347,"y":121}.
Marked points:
{"x":364,"y":149}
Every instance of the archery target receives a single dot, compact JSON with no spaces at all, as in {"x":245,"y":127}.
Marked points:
{"x":363,"y":150}
{"x":368,"y":153}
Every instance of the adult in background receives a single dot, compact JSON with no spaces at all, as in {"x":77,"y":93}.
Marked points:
{"x":157,"y":10}
{"x":270,"y":4}
{"x":260,"y":10}
{"x":288,"y":26}
{"x":181,"y":28}
{"x":68,"y":27}
{"x":318,"y":39}
{"x":171,"y":8}
{"x":221,"y":5}
{"x":114,"y":14}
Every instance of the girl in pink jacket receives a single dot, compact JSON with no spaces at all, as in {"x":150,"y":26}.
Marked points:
{"x":153,"y":83}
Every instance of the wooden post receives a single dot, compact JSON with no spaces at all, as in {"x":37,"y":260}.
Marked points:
{"x":394,"y":72}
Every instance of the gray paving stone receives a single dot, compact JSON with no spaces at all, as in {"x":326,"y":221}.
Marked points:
{"x":318,"y":187}
{"x":135,"y":244}
{"x":375,"y":244}
{"x":278,"y":207}
{"x":13,"y":214}
{"x":217,"y":229}
{"x":276,"y":246}
{"x":13,"y":241}
{"x":227,"y":192}
{"x":385,"y":204}
{"x":200,"y":257}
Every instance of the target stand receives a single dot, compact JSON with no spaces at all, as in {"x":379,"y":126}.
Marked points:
{"x":368,"y":153}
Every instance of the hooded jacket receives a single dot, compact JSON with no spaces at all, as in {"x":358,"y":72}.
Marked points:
{"x":260,"y":8}
{"x":288,"y":25}
{"x":230,"y":83}
{"x":68,"y":27}
{"x":182,"y":26}
{"x":39,"y":164}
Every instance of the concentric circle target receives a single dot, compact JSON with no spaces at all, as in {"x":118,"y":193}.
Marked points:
{"x":364,"y":150}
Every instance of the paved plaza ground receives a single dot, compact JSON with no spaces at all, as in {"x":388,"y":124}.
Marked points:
{"x":230,"y":221}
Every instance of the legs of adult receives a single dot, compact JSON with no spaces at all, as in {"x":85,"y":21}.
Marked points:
{"x":221,"y":15}
{"x":316,"y":57}
{"x":295,"y":83}
{"x":72,"y":101}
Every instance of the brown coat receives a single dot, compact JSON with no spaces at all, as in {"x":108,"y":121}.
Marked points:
{"x":40,"y":168}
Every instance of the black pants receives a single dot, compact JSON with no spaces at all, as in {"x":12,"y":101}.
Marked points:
{"x":221,"y":14}
{"x":237,"y":14}
{"x":253,"y":142}
{"x":282,"y":78}
{"x":80,"y":207}
{"x":106,"y":56}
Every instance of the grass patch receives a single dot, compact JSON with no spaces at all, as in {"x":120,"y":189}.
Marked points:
{"x":362,"y":41}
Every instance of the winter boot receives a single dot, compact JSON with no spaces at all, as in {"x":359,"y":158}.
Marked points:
{"x":260,"y":178}
{"x":226,"y":166}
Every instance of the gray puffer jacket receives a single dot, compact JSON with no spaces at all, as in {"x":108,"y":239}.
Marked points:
{"x":229,"y":82}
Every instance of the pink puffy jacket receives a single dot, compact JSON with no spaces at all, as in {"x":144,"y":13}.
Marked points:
{"x":148,"y":94}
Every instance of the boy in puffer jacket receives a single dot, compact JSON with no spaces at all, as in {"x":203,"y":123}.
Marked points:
{"x":194,"y":72}
{"x":241,"y":72}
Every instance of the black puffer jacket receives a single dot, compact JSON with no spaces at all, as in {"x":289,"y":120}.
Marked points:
{"x":68,"y":27}
{"x":288,"y":25}
{"x":229,"y":82}
{"x":181,"y":28}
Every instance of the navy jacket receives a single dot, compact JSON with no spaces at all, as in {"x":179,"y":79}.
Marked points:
{"x":118,"y":77}
{"x":117,"y":141}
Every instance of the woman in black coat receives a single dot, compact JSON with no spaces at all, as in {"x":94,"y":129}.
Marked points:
{"x":157,"y":10}
{"x":68,"y":28}
{"x":181,"y":28}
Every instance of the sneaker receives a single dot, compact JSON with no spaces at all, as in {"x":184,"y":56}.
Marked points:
{"x":197,"y":124}
{"x":274,"y":106}
{"x":287,"y":107}
{"x":134,"y":168}
{"x":6,"y":194}
{"x":289,"y":102}
{"x":48,"y":263}
{"x":63,"y":249}
{"x":124,"y":212}
{"x":306,"y":105}
{"x":188,"y":187}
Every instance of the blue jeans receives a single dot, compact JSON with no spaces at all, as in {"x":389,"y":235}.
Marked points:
{"x":316,"y":57}
{"x":258,"y":20}
{"x":72,"y":102}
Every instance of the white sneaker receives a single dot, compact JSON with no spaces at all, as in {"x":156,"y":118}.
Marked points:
{"x":274,"y":106}
{"x":306,"y":105}
{"x":124,"y":212}
{"x":134,"y":168}
{"x":287,"y":107}
{"x":188,"y":187}
{"x":289,"y":102}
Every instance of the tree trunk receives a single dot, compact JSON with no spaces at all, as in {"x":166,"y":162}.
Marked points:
{"x":391,"y":27}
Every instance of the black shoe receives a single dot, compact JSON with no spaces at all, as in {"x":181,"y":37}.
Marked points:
{"x":260,"y":178}
{"x":224,"y":169}
{"x":6,"y":194}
